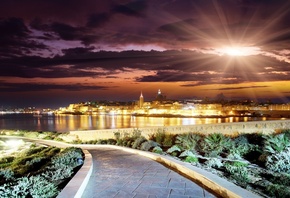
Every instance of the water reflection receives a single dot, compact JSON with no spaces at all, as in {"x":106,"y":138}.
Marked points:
{"x":63,"y":123}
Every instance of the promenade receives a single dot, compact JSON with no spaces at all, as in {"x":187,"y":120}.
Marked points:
{"x":120,"y":174}
{"x":115,"y":172}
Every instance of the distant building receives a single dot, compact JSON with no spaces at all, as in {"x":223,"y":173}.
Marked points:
{"x":160,"y":97}
{"x":141,"y":100}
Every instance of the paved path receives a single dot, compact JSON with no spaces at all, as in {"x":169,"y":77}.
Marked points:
{"x":118,"y":174}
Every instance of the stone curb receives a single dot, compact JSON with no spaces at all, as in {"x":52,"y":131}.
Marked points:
{"x":76,"y":186}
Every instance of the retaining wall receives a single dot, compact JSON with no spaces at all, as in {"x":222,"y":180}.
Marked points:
{"x":265,"y":127}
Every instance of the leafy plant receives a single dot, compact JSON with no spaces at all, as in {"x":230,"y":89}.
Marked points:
{"x":146,"y":146}
{"x":214,"y":163}
{"x":276,"y":143}
{"x":215,"y":144}
{"x":279,"y":162}
{"x":137,"y":143}
{"x":7,"y":174}
{"x":188,"y":141}
{"x":240,"y":147}
{"x":239,"y":172}
{"x":276,"y":190}
{"x":191,"y":159}
{"x":157,"y":149}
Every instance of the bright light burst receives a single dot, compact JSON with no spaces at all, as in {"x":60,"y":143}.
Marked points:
{"x":238,"y":51}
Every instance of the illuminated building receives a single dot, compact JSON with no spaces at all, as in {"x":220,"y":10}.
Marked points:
{"x":141,"y":100}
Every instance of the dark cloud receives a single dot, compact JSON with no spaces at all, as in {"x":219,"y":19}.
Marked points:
{"x":15,"y":39}
{"x":134,"y":8}
{"x":98,"y":19}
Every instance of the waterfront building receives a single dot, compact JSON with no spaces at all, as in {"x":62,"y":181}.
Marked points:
{"x":141,"y":101}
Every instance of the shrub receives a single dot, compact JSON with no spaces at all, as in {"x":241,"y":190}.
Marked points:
{"x":214,"y":163}
{"x":238,"y":171}
{"x":279,"y":162}
{"x":241,"y":146}
{"x":188,"y":141}
{"x":159,"y":136}
{"x":146,"y":146}
{"x":157,"y":149}
{"x":174,"y":150}
{"x":276,"y":190}
{"x":137,"y":143}
{"x":215,"y":144}
{"x":7,"y":174}
{"x":35,"y":186}
{"x":111,"y":141}
{"x":168,"y":140}
{"x":191,"y":159}
{"x":276,"y":143}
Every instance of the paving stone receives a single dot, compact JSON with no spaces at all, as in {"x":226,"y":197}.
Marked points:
{"x":119,"y":174}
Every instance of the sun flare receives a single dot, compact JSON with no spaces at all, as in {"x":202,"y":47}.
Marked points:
{"x":239,"y":51}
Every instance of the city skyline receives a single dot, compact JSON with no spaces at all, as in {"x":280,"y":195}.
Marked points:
{"x":53,"y":53}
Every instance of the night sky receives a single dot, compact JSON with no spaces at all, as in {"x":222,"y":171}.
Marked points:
{"x":57,"y":52}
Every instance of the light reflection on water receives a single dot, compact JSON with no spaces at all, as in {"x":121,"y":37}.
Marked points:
{"x":63,"y":123}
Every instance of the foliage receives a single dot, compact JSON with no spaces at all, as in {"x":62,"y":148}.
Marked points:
{"x":6,"y":174}
{"x":157,"y":149}
{"x":241,"y":146}
{"x":158,"y":136}
{"x":276,"y":190}
{"x":34,"y":186}
{"x":146,"y":146}
{"x":239,"y":172}
{"x":276,"y":143}
{"x":188,"y":141}
{"x":214,"y":163}
{"x":168,"y":140}
{"x":215,"y":144}
{"x":137,"y":143}
{"x":279,"y":162}
{"x":174,"y":148}
{"x":191,"y":159}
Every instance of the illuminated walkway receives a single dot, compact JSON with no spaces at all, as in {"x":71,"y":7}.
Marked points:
{"x":117,"y":173}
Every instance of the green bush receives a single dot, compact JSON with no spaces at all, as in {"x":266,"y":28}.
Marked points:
{"x":276,"y":190}
{"x":188,"y":141}
{"x":279,"y":162}
{"x":214,"y":144}
{"x":214,"y":163}
{"x":239,"y":172}
{"x":157,"y":149}
{"x":276,"y":143}
{"x":191,"y":159}
{"x":146,"y":146}
{"x":137,"y":143}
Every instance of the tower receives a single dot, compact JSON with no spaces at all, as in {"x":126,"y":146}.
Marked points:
{"x":141,"y":100}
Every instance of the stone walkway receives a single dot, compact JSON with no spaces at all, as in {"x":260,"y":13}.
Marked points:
{"x":119,"y":174}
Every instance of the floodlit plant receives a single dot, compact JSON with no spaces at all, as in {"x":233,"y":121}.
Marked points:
{"x":238,"y":171}
{"x":215,"y":144}
{"x":188,"y":141}
{"x":7,"y":174}
{"x":279,"y":162}
{"x":214,"y":163}
{"x":157,"y":149}
{"x":137,"y":143}
{"x":146,"y":146}
{"x":276,"y":143}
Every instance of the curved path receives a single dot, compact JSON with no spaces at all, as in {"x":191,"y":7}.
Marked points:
{"x":117,"y":173}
